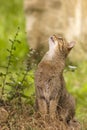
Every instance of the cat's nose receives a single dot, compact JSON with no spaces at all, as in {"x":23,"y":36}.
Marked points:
{"x":51,"y":37}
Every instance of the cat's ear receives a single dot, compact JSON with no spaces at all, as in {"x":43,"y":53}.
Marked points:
{"x":71,"y":45}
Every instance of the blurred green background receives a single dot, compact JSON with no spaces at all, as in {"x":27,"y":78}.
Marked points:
{"x":12,"y":17}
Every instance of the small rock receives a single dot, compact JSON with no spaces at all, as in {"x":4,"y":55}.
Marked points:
{"x":75,"y":125}
{"x":3,"y":115}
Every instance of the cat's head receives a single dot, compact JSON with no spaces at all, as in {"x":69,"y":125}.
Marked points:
{"x":59,"y":46}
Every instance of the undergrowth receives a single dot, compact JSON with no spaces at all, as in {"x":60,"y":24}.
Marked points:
{"x":15,"y":83}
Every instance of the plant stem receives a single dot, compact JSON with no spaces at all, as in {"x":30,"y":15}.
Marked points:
{"x":9,"y":62}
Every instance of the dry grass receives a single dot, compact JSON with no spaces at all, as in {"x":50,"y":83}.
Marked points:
{"x":23,"y":117}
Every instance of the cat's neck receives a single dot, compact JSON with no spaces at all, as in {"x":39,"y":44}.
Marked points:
{"x":53,"y":62}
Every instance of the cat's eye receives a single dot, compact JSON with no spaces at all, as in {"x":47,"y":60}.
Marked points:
{"x":60,"y":38}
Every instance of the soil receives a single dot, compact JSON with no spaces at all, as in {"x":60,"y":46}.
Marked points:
{"x":15,"y":116}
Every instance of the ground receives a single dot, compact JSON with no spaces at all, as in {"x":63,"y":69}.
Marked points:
{"x":16,"y":116}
